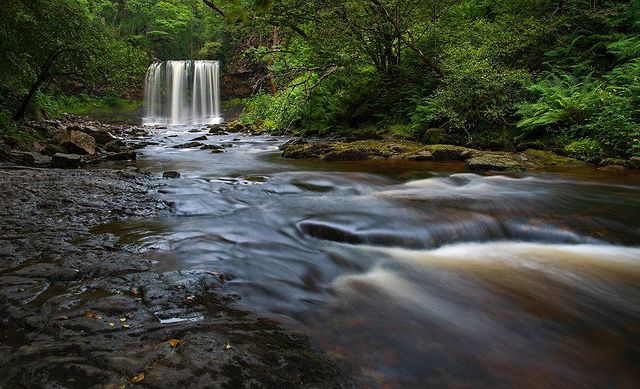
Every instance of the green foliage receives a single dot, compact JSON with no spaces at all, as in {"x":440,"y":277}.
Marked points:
{"x":585,"y":149}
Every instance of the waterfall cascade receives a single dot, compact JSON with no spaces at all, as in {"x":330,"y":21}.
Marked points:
{"x":182,"y":92}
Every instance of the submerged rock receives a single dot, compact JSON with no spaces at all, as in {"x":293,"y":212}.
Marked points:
{"x":203,"y":137}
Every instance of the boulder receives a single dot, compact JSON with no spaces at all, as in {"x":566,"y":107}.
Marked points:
{"x":305,"y":151}
{"x":217,"y":151}
{"x":346,"y":155}
{"x":420,"y":155}
{"x":293,"y":142}
{"x":115,"y":146}
{"x":634,"y":163}
{"x":52,"y":149}
{"x":122,"y":156}
{"x":77,"y":142}
{"x":21,"y":158}
{"x":171,"y":174}
{"x":188,"y":145}
{"x":66,"y":161}
{"x":203,"y":137}
{"x":211,"y":147}
{"x":497,"y":161}
{"x":451,"y":152}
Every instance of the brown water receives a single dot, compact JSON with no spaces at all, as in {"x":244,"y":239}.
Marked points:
{"x":411,"y":274}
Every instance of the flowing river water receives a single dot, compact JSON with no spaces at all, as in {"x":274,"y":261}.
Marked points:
{"x":411,"y":274}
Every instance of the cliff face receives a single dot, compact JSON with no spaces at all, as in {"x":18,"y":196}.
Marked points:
{"x":242,"y":78}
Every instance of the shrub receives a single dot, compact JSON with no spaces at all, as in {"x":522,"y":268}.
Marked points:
{"x":585,"y":149}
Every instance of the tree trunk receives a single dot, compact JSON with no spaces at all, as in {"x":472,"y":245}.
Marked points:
{"x":42,"y":78}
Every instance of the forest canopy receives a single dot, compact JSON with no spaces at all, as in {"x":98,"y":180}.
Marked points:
{"x":556,"y":74}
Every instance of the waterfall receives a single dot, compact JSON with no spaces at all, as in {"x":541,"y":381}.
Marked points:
{"x":182,"y":92}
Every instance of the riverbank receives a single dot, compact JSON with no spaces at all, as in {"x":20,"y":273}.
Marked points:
{"x":475,"y":160}
{"x":84,"y":309}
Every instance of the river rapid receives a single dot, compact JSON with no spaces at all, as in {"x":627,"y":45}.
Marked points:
{"x":411,"y":274}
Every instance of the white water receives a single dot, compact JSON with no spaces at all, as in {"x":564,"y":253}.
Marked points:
{"x":182,"y":93}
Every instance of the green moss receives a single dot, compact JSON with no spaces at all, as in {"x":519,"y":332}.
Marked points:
{"x":586,"y":150}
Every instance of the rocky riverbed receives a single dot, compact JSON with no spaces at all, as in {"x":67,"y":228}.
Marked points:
{"x":82,"y":309}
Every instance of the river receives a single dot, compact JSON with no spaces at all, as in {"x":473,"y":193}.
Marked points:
{"x":412,"y":274}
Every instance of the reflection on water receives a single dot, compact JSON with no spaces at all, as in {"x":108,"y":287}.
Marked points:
{"x":413,"y":274}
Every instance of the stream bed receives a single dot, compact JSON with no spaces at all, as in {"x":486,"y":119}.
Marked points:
{"x":411,"y":274}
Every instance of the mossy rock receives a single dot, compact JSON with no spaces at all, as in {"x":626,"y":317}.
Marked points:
{"x":547,"y":159}
{"x":497,"y":161}
{"x":450,"y":152}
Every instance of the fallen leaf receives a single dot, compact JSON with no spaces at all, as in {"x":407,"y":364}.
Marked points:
{"x":228,"y":346}
{"x":138,"y":379}
{"x":112,"y":324}
{"x":190,"y":298}
{"x":126,"y":326}
{"x":174,"y":342}
{"x":123,"y":386}
{"x":123,"y":319}
{"x":89,"y":314}
{"x":63,"y":318}
{"x":134,"y":291}
{"x":97,"y":317}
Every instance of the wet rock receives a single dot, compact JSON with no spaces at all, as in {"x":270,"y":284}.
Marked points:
{"x":141,"y":145}
{"x":22,"y":158}
{"x":189,"y":145}
{"x":612,"y":168}
{"x":217,"y":129}
{"x":346,"y":155}
{"x":77,"y":142}
{"x":293,"y":142}
{"x":52,"y":149}
{"x":497,"y":161}
{"x":421,"y":155}
{"x":634,"y":163}
{"x":541,"y":159}
{"x":217,"y":151}
{"x":235,"y":139}
{"x":195,"y":130}
{"x":66,"y":161}
{"x":211,"y":147}
{"x":227,"y":145}
{"x":451,"y":152}
{"x":128,"y":155}
{"x":171,"y":174}
{"x":614,"y":161}
{"x":115,"y":146}
{"x":306,"y":151}
{"x":203,"y":137}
